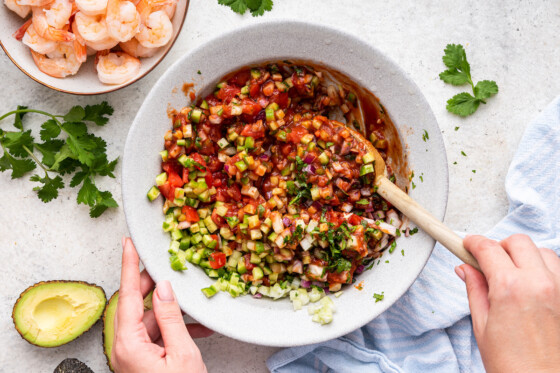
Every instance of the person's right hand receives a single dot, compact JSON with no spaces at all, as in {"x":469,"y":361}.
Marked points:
{"x":515,"y":305}
{"x":155,"y":341}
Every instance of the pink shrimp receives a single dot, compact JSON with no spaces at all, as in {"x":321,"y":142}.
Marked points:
{"x":135,"y":49}
{"x":123,"y":20}
{"x":65,"y":60}
{"x":47,"y":31}
{"x":116,"y":67}
{"x":20,"y":10}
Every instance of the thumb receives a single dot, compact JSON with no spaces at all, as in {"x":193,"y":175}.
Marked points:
{"x":477,"y":291}
{"x":174,"y":334}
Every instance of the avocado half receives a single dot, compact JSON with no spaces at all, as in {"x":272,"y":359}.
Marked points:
{"x":109,"y":323}
{"x":52,"y":313}
{"x":72,"y":366}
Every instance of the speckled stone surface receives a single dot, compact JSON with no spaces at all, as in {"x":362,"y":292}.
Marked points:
{"x":516,"y":44}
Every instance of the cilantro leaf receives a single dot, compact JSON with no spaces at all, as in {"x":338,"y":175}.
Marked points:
{"x":49,"y":130}
{"x":81,"y":144}
{"x":459,"y":73}
{"x":265,"y":5}
{"x":19,"y":167}
{"x":454,"y":76}
{"x":76,"y":114}
{"x":18,"y":123}
{"x":463,"y":104}
{"x":49,"y":149}
{"x":78,"y":178}
{"x":454,"y":56}
{"x":16,"y":141}
{"x":103,"y":202}
{"x":98,"y":113}
{"x":88,"y":193}
{"x":238,"y":6}
{"x":49,"y":190}
{"x":485,"y":89}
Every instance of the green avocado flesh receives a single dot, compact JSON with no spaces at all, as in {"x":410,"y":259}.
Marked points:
{"x":109,"y":323}
{"x":52,"y":313}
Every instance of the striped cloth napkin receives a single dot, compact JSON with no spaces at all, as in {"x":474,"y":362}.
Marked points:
{"x":429,"y":329}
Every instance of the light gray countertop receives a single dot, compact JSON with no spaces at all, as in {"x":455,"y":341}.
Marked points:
{"x":514,"y":43}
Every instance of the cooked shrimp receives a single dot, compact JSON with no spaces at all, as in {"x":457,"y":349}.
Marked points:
{"x":39,"y":44}
{"x":117,"y":67}
{"x":92,"y":7}
{"x":93,"y":31}
{"x":146,"y":7}
{"x":135,"y":49}
{"x":58,"y":13}
{"x":20,"y":10}
{"x":123,"y":20}
{"x":47,"y":31}
{"x":63,"y":61}
{"x":34,"y":2}
{"x":156,"y":31}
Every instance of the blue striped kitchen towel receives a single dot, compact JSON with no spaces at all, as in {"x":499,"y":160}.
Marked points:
{"x":429,"y":329}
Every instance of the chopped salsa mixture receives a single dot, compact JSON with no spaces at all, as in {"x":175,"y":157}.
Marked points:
{"x":269,"y":195}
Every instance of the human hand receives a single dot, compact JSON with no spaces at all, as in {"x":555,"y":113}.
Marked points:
{"x":156,"y":340}
{"x":515,"y":304}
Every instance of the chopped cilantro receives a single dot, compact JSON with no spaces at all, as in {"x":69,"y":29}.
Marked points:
{"x":379,"y":297}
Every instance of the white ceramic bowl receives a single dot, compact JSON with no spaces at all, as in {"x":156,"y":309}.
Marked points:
{"x":263,"y":321}
{"x":85,"y":82}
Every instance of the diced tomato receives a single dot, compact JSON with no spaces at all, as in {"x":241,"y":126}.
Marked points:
{"x":296,"y":134}
{"x":201,"y":162}
{"x":281,"y":99}
{"x":217,"y":260}
{"x":266,"y":281}
{"x":214,"y":164}
{"x":255,"y":130}
{"x":337,"y":278}
{"x":248,"y":263}
{"x":220,"y":221}
{"x":174,"y":179}
{"x":209,"y":179}
{"x":228,"y":92}
{"x":241,"y":78}
{"x":168,"y":191}
{"x":185,"y":175}
{"x":355,"y":219}
{"x":234,"y":192}
{"x":250,"y":107}
{"x":171,"y":166}
{"x":190,"y":213}
{"x":254,"y":90}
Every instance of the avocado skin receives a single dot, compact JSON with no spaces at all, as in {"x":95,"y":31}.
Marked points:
{"x":109,"y":308}
{"x":53,"y":282}
{"x":71,"y":365}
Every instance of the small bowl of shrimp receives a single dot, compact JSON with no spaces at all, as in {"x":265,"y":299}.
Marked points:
{"x":89,"y":47}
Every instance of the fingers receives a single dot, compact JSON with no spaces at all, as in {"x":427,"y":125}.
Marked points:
{"x":551,"y":260}
{"x":199,"y":331}
{"x":477,"y":291}
{"x":146,"y":283}
{"x":522,"y":251}
{"x":130,"y":308}
{"x":490,"y":255}
{"x":170,"y":321}
{"x":151,"y":325}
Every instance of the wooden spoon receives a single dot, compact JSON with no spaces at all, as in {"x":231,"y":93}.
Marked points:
{"x":392,"y":193}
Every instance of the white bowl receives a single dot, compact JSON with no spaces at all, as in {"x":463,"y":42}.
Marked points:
{"x":85,"y":82}
{"x":263,"y":321}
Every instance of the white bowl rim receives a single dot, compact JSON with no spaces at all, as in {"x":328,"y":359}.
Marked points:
{"x":436,"y":141}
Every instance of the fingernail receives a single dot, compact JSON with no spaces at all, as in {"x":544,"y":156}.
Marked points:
{"x":164,"y":291}
{"x":123,"y":241}
{"x":460,"y":272}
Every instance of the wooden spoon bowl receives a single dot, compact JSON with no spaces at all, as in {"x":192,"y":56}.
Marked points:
{"x":402,"y":201}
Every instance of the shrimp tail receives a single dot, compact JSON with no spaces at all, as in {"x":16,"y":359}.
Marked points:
{"x":60,"y":35}
{"x":18,"y":35}
{"x":81,"y":51}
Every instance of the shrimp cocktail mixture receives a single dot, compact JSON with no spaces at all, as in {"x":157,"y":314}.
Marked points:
{"x":61,"y":34}
{"x":267,"y":194}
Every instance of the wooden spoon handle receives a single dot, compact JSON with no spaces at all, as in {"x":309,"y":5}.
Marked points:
{"x":425,"y":220}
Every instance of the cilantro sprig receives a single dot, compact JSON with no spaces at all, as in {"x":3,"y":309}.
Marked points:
{"x":459,"y":73}
{"x":256,"y":7}
{"x":77,"y":152}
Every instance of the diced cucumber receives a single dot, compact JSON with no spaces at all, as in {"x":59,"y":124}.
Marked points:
{"x":161,"y":179}
{"x":153,"y":193}
{"x":324,"y":158}
{"x":366,"y":169}
{"x":195,"y":115}
{"x":257,"y":273}
{"x":368,"y":158}
{"x":210,"y":225}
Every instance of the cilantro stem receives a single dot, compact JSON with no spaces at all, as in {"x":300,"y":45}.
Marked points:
{"x":36,"y":160}
{"x":32,"y":111}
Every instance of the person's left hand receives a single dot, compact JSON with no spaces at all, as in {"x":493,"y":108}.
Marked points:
{"x":156,"y":340}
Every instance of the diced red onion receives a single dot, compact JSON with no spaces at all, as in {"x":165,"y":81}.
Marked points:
{"x":287,"y":222}
{"x":226,"y":168}
{"x":317,"y":206}
{"x":317,"y":283}
{"x":268,"y":194}
{"x":265,"y":157}
{"x":261,"y":115}
{"x":379,"y":214}
{"x":366,"y":192}
{"x":369,"y":209}
{"x":183,"y":225}
{"x":310,"y":169}
{"x":305,"y":284}
{"x":309,"y":158}
{"x":360,"y":269}
{"x":326,"y":289}
{"x":257,"y":296}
